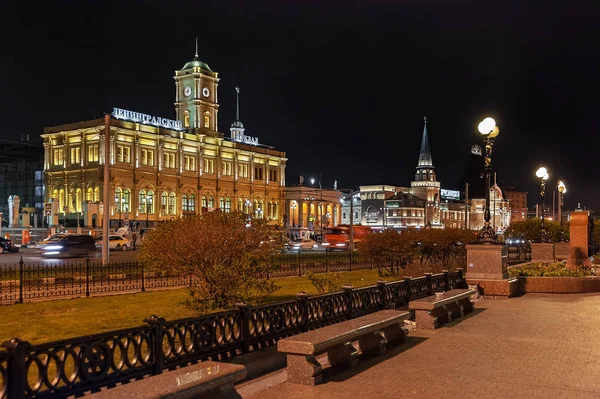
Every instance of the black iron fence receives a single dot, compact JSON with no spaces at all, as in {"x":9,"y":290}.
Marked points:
{"x":24,"y":282}
{"x":74,"y":366}
{"x":519,"y":253}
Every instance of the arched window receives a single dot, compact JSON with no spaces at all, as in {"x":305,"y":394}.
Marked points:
{"x":126,"y":200}
{"x":172,"y":204}
{"x":186,"y":118}
{"x":118,"y":199}
{"x":207,"y":120}
{"x":227,"y":207}
{"x":247,"y":206}
{"x":78,"y":200}
{"x":163,"y":202}
{"x":211,"y":201}
{"x":96,"y":194}
{"x":150,"y":202}
{"x":89,"y":195}
{"x":222,"y":203}
{"x":142,"y":202}
{"x":184,"y":203}
{"x":258,"y":209}
{"x":240,"y":205}
{"x":204,"y":202}
{"x":192,"y":203}
{"x":273,"y":210}
{"x":71,"y":200}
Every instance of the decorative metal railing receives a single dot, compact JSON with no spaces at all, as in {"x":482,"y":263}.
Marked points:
{"x":519,"y":253}
{"x":74,"y":366}
{"x":25,"y":282}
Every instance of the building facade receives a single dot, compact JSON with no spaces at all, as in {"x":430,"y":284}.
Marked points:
{"x":518,"y":203}
{"x":21,"y":171}
{"x":312,"y":208}
{"x":162,"y":169}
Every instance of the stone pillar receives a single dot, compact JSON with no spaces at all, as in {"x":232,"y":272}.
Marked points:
{"x":13,"y":210}
{"x":542,"y":252}
{"x":487,"y":268}
{"x":578,"y":250}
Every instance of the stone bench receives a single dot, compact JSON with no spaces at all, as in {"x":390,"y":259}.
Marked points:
{"x":202,"y":380}
{"x":435,"y":310}
{"x":372,"y":331}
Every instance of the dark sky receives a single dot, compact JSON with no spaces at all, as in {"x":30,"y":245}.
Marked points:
{"x":341,"y":86}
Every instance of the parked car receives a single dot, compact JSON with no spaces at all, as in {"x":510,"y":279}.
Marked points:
{"x":6,"y":245}
{"x":70,"y":245}
{"x":115,"y":242}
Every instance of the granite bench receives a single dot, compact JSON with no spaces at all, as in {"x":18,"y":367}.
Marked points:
{"x":202,"y":380}
{"x":372,"y":332}
{"x":435,"y":310}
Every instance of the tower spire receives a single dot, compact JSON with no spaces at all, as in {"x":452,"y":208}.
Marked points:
{"x":237,"y":103}
{"x":425,"y":154}
{"x":196,"y":56}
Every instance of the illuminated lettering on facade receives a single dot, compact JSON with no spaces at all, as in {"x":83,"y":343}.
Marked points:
{"x":450,"y":194}
{"x":242,"y":138}
{"x":146,"y":119}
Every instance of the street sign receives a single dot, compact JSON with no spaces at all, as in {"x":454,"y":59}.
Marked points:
{"x":48,"y":206}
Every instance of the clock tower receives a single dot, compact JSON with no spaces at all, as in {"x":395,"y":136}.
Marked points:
{"x":196,"y":103}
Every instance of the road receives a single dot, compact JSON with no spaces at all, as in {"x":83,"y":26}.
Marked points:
{"x":30,"y":257}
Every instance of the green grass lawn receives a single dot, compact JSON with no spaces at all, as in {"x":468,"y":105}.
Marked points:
{"x":40,"y":322}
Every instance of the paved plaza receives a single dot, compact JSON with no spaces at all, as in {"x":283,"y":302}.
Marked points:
{"x":537,"y":345}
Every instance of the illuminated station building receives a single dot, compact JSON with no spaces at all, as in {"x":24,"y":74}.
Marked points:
{"x":162,"y":169}
{"x":423,"y":204}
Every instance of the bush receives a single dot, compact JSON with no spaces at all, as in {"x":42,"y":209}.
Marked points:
{"x":223,"y":256}
{"x":325,"y":282}
{"x":539,"y":269}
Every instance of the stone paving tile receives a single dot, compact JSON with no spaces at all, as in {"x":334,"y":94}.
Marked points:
{"x":534,"y":346}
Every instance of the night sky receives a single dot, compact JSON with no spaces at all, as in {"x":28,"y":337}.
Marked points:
{"x":342,"y":87}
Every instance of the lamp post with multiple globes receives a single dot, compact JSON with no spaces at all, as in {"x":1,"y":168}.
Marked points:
{"x":542,"y":174}
{"x":489,"y":131}
{"x":562,"y":189}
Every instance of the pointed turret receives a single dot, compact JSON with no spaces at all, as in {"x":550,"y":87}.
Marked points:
{"x":425,"y":160}
{"x":237,"y":127}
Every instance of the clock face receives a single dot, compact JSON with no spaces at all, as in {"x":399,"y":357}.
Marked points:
{"x":205,"y":92}
{"x":187,"y":91}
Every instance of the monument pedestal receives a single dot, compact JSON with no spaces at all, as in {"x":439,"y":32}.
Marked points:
{"x":542,"y":252}
{"x":561,"y":250}
{"x":486,"y":267}
{"x":579,"y":240}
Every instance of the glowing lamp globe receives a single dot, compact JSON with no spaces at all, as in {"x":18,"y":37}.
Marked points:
{"x":561,"y":187}
{"x":486,"y":126}
{"x":541,"y":172}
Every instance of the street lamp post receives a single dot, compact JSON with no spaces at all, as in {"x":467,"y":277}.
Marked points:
{"x":118,"y":205}
{"x":489,"y":131}
{"x":542,"y":174}
{"x":293,"y":205}
{"x":562,"y":189}
{"x":320,"y":208}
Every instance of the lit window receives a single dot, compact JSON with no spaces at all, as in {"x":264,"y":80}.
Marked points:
{"x":58,"y":157}
{"x":273,"y":175}
{"x":150,"y":201}
{"x":186,"y":119}
{"x":210,"y":202}
{"x":172,"y":203}
{"x":207,"y":121}
{"x":142,"y":202}
{"x":92,"y":155}
{"x":189,"y":163}
{"x":208,"y":165}
{"x":258,"y":173}
{"x":96,"y":194}
{"x":89,"y":194}
{"x":243,"y":170}
{"x":147,"y":157}
{"x":226,"y":168}
{"x":123,"y":154}
{"x":169,"y":160}
{"x":192,"y":203}
{"x":227,"y":207}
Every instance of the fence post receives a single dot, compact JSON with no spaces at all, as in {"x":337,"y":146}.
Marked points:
{"x":245,"y":309}
{"x":158,"y":324}
{"x":384,"y":303}
{"x":326,"y":263}
{"x":299,"y":270}
{"x":348,"y":291}
{"x":21,"y":280}
{"x":87,"y":275}
{"x":407,"y":282}
{"x":143,"y":283}
{"x":303,"y":300}
{"x":447,"y":280}
{"x":17,"y":371}
{"x":429,"y":287}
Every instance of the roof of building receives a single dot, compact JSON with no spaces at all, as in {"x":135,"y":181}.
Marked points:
{"x":237,"y":124}
{"x":425,"y":160}
{"x":408,"y":200}
{"x":196,"y":63}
